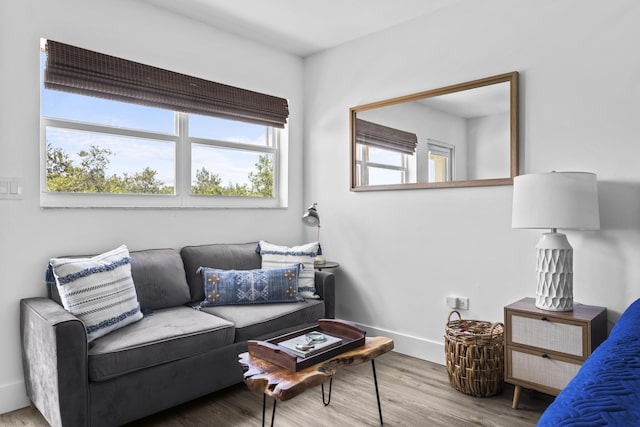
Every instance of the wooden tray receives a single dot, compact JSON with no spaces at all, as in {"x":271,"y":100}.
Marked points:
{"x":352,"y":337}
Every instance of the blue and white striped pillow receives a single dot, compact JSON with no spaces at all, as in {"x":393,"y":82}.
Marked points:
{"x":274,"y":256}
{"x":98,"y":290}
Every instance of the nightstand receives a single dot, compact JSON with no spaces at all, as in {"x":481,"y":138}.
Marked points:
{"x":545,"y":349}
{"x":328,"y":264}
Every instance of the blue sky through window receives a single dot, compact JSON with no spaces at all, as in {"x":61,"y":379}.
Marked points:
{"x":131,"y":155}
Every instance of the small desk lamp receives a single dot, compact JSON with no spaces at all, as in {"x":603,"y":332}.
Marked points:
{"x":555,"y":200}
{"x":312,"y":219}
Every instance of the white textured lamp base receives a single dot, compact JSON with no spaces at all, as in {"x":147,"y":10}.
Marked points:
{"x":554,"y":268}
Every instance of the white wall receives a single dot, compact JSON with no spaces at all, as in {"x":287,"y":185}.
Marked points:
{"x":403,"y":252}
{"x":487,"y":140}
{"x":29,"y":235}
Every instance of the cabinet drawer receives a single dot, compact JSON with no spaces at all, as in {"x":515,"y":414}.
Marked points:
{"x":536,"y":369}
{"x":547,"y":334}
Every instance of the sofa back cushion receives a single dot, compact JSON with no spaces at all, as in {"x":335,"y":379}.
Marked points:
{"x":159,"y":278}
{"x":241,"y":256}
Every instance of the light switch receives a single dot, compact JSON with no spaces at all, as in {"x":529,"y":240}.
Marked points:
{"x":11,"y":188}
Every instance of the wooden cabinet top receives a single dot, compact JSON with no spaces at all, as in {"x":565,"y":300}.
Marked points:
{"x":581,"y":312}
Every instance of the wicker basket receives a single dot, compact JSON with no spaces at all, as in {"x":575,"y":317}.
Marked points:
{"x":475,"y":355}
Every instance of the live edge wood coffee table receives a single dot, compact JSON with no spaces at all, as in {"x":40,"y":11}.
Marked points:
{"x":282,"y":384}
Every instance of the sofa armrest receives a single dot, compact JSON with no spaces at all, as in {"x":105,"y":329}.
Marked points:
{"x":54,"y":360}
{"x":326,"y":288}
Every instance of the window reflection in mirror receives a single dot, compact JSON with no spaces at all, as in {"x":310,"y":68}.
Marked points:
{"x":441,"y":157}
{"x":461,"y":135}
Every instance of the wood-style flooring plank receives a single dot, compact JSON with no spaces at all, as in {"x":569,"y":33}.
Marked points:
{"x":413,"y":392}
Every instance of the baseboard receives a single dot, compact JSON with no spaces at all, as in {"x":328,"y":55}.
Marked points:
{"x":13,"y":396}
{"x":432,"y":351}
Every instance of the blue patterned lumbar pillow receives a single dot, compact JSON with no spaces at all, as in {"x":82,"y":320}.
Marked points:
{"x":274,"y":256}
{"x":232,"y":287}
{"x":98,"y":290}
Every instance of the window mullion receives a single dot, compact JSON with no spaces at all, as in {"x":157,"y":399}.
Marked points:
{"x":274,"y":144}
{"x":183,"y":156}
{"x":105,"y":130}
{"x":232,"y":145}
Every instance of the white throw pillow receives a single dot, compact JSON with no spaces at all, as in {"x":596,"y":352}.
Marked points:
{"x":275,"y":256}
{"x":98,"y":290}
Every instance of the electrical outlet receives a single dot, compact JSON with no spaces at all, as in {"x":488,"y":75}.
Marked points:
{"x":460,"y":303}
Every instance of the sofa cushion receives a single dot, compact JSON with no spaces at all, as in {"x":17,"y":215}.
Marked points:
{"x":159,"y":277}
{"x":98,"y":290}
{"x":166,"y":335}
{"x":237,"y":287}
{"x":274,"y":256}
{"x":260,"y":320}
{"x":223,"y":256}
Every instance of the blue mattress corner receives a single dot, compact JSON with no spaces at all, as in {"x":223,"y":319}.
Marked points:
{"x":606,"y":390}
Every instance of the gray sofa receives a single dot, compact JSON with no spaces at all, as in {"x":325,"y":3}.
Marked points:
{"x":173,"y":355}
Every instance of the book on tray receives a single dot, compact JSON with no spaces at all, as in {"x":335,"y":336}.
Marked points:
{"x":309,"y":344}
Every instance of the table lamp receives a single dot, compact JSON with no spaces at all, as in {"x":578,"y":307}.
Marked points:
{"x":567,"y":200}
{"x":312,"y":219}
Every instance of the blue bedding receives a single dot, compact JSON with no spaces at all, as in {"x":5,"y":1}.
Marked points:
{"x":606,"y":390}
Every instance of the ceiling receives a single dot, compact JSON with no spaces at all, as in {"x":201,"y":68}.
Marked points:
{"x":302,"y":27}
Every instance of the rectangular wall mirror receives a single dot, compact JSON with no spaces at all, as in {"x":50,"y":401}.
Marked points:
{"x":462,"y":135}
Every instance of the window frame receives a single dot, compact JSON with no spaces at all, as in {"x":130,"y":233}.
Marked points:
{"x":364,"y":165}
{"x":446,"y":151}
{"x":183,"y":198}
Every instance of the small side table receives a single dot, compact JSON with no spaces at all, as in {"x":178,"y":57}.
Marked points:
{"x":545,"y":349}
{"x":328,"y":264}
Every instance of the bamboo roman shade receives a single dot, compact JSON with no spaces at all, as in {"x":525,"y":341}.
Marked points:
{"x":374,"y":134}
{"x":81,"y":71}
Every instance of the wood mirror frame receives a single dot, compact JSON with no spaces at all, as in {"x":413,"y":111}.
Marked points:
{"x":479,"y":87}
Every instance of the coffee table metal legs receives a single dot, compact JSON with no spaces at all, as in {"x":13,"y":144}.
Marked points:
{"x":324,"y":401}
{"x":264,"y":406}
{"x":375,"y":381}
{"x":328,"y":400}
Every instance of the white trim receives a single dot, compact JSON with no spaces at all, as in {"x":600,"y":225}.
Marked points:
{"x":13,"y":396}
{"x":183,"y":156}
{"x":446,"y":150}
{"x":142,"y":201}
{"x":232,"y":145}
{"x":365,"y":165}
{"x":108,"y":130}
{"x":421,"y":348}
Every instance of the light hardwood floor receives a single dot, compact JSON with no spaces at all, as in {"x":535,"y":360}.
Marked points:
{"x":413,"y":392}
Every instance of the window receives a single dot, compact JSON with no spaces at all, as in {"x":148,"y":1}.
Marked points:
{"x":376,"y":166}
{"x":236,"y":160}
{"x":441,"y":157}
{"x":382,"y":153}
{"x":119,"y":148}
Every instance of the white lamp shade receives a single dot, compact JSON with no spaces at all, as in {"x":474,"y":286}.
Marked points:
{"x":551,"y":200}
